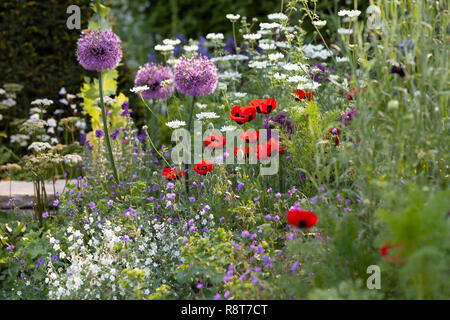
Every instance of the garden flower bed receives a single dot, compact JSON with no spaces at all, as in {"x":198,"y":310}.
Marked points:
{"x":280,"y":165}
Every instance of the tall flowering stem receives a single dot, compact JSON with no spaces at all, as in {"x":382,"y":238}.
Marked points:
{"x":191,"y":113}
{"x":105,"y":129}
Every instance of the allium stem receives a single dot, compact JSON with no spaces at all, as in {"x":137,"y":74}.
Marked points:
{"x":105,"y":129}
{"x":186,"y":166}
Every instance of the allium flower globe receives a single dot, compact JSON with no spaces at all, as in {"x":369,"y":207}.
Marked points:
{"x":98,"y":50}
{"x":196,"y":76}
{"x":154,"y":76}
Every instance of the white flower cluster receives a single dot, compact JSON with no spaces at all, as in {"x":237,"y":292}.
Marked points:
{"x":252,"y":36}
{"x":233,"y":17}
{"x":175,"y":124}
{"x":43,"y":102}
{"x":72,"y":159}
{"x":207,"y":115}
{"x":164,"y":48}
{"x":349,"y":13}
{"x":39,"y":146}
{"x":21,"y":139}
{"x":319,"y":23}
{"x":277,"y":16}
{"x":318,"y":51}
{"x":9,"y":102}
{"x":214,"y":36}
{"x":170,"y":42}
{"x":139,"y":89}
{"x":190,"y":48}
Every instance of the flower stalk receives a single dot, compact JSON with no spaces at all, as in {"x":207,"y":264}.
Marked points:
{"x":105,"y":129}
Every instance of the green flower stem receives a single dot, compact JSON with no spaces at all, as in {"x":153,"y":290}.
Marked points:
{"x":105,"y":129}
{"x":280,"y":174}
{"x":186,"y":166}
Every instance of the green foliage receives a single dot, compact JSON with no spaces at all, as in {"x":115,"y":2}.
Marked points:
{"x":417,"y":226}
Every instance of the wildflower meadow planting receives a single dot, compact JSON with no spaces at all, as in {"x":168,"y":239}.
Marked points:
{"x":300,"y":153}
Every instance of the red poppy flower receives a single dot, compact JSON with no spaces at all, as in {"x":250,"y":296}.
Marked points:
{"x":301,"y":218}
{"x":264,"y":106}
{"x":215,"y":141}
{"x":250,"y":136}
{"x":266,"y":150}
{"x":241,"y":152}
{"x":302,"y":95}
{"x":172,"y":174}
{"x":334,"y":132}
{"x":243,"y":114}
{"x":384,"y":250}
{"x":352,"y":93}
{"x":203,"y":167}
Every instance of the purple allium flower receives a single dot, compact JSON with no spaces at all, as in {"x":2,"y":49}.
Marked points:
{"x":98,"y":50}
{"x":196,"y":76}
{"x":278,"y":195}
{"x":347,"y":117}
{"x":321,"y":75}
{"x":268,"y":217}
{"x":99,"y":133}
{"x":115,"y":134}
{"x":152,"y":75}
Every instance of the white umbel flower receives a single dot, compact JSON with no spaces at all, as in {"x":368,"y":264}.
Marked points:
{"x":164,"y":48}
{"x":175,"y":124}
{"x":319,"y":23}
{"x":277,"y":16}
{"x":39,"y":146}
{"x":232,"y":17}
{"x":170,"y":42}
{"x":72,"y":159}
{"x":214,"y":36}
{"x":139,"y":89}
{"x":252,"y":36}
{"x":207,"y":115}
{"x":191,"y":48}
{"x":43,"y":102}
{"x":349,"y":13}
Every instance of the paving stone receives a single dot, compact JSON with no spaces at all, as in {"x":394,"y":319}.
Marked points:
{"x":23,"y":192}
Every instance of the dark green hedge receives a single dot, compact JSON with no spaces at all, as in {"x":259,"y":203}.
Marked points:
{"x":38,"y":50}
